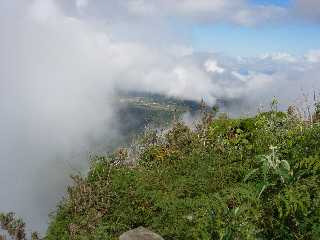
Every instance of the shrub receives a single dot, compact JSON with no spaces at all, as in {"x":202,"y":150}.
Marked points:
{"x":221,"y":180}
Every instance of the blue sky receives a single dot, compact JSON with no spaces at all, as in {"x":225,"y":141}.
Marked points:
{"x":233,"y":40}
{"x":233,"y":27}
{"x":293,"y":36}
{"x":275,"y":2}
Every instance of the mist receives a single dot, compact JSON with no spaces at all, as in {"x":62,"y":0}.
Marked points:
{"x":62,"y":64}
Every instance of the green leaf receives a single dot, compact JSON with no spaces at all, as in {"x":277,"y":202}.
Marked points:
{"x":250,"y":174}
{"x":285,"y":165}
{"x":263,"y":189}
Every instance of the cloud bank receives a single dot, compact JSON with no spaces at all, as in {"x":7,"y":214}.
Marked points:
{"x":62,"y":62}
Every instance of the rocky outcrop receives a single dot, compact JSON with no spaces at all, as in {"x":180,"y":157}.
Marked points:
{"x":140,"y":233}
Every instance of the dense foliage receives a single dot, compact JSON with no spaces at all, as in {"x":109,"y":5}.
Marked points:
{"x":252,"y":178}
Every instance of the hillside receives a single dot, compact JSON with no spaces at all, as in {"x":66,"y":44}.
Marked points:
{"x":139,"y":110}
{"x":251,"y":178}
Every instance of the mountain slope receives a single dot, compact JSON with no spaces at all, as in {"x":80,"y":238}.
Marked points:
{"x":254,"y":178}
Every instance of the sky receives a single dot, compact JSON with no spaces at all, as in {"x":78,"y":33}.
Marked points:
{"x":244,"y":41}
{"x":62,"y":64}
{"x":294,"y":36}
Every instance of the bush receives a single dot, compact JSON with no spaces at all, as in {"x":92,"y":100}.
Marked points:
{"x":254,"y":178}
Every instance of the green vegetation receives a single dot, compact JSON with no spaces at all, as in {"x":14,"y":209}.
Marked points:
{"x":252,"y":178}
{"x":246,"y":178}
{"x":138,"y":110}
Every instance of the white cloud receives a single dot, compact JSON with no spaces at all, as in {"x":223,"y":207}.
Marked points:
{"x":42,"y":10}
{"x":240,"y":12}
{"x":213,"y":67}
{"x":313,"y":56}
{"x":141,"y":8}
{"x":81,"y":4}
{"x":251,"y":16}
{"x":279,"y":56}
